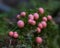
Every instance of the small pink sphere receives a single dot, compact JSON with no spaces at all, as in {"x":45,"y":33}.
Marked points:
{"x":41,"y":10}
{"x":20,"y":24}
{"x":36,"y":16}
{"x":18,"y":17}
{"x":44,"y":19}
{"x":15,"y":35}
{"x":39,"y":40}
{"x":40,"y":25}
{"x":11,"y":33}
{"x":31,"y":16}
{"x":44,"y":24}
{"x":33,"y":22}
{"x":38,"y":30}
{"x":23,"y":14}
{"x":15,"y":32}
{"x":30,"y":21}
{"x":49,"y":17}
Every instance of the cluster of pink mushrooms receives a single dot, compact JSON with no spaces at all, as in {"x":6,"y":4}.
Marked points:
{"x":32,"y":21}
{"x":13,"y":34}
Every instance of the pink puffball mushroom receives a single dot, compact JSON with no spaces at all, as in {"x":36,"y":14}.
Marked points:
{"x":15,"y":32}
{"x":39,"y":40}
{"x":18,"y":17}
{"x":15,"y":35}
{"x":36,"y":16}
{"x":44,"y":19}
{"x":49,"y":17}
{"x":11,"y":33}
{"x":31,"y":16}
{"x":38,"y":30}
{"x":32,"y":22}
{"x":40,"y":25}
{"x":23,"y":14}
{"x":44,"y":24}
{"x":41,"y":10}
{"x":20,"y":24}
